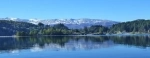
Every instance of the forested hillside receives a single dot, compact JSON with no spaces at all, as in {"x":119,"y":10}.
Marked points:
{"x":140,"y":25}
{"x":9,"y":28}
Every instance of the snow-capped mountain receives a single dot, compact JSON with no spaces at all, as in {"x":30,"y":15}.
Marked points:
{"x":79,"y":23}
{"x":71,"y":23}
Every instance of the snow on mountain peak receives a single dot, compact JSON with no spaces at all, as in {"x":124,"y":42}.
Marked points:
{"x":71,"y":23}
{"x":34,"y":21}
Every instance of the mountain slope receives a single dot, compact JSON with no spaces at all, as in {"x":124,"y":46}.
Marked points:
{"x":9,"y":28}
{"x":136,"y":26}
{"x":79,"y":23}
{"x":70,"y":23}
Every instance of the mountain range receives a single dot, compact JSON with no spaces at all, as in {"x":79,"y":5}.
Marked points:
{"x":70,"y":23}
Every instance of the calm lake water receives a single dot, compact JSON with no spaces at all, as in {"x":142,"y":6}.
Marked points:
{"x":76,"y":47}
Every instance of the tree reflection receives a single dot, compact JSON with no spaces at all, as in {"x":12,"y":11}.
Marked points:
{"x":140,"y":41}
{"x":72,"y":42}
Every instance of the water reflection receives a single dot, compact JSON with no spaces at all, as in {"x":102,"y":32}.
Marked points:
{"x":57,"y":43}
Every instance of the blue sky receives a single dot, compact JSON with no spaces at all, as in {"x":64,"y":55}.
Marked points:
{"x":117,"y":10}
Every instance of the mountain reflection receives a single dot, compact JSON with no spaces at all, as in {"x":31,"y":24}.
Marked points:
{"x":56,"y":43}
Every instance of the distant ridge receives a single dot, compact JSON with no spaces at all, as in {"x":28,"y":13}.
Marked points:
{"x":70,"y":23}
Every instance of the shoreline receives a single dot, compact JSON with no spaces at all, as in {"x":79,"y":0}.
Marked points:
{"x":84,"y":35}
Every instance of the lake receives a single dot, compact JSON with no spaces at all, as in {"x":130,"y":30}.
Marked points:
{"x":75,"y":47}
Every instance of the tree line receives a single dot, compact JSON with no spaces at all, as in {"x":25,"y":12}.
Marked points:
{"x":9,"y":28}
